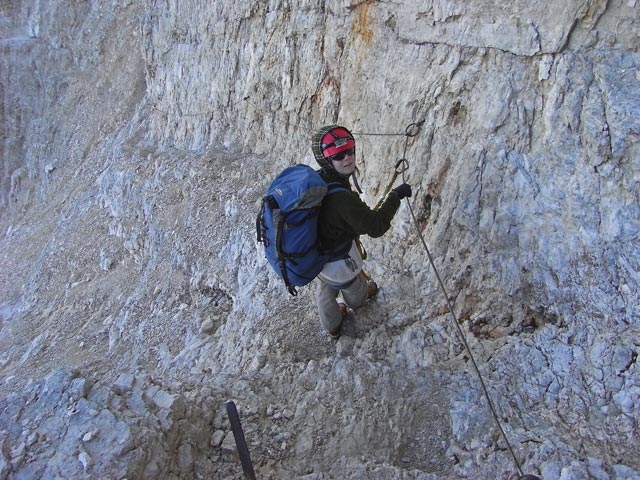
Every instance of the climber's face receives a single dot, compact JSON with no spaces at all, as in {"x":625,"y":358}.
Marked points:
{"x":344,"y":162}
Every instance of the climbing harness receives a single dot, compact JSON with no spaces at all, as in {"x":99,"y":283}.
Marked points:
{"x":361,"y":250}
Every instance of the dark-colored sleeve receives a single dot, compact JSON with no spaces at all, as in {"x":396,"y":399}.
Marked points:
{"x":360,"y":219}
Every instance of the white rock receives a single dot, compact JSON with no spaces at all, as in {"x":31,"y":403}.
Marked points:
{"x":165,"y":400}
{"x":207,"y":326}
{"x":124,"y":383}
{"x":18,"y":451}
{"x":229,"y":443}
{"x":87,"y":437}
{"x":85,"y":460}
{"x":217,"y":438}
{"x":33,"y":438}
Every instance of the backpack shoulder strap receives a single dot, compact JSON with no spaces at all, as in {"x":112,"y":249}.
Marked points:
{"x":334,"y":187}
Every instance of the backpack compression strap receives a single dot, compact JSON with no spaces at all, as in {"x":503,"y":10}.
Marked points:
{"x":260,"y":227}
{"x":279,"y":221}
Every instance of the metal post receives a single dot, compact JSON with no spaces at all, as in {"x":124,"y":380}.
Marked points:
{"x":241,"y":443}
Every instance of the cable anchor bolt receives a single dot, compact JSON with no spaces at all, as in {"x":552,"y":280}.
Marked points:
{"x":413,"y":129}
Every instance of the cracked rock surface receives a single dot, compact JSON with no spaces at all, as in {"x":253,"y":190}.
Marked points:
{"x":137,"y":141}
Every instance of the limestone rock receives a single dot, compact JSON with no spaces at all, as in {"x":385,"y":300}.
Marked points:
{"x":85,"y":460}
{"x":217,"y":438}
{"x":124,"y":383}
{"x":229,"y":443}
{"x":138,"y":141}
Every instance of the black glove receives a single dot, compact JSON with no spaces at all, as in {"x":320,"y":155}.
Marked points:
{"x":402,"y":191}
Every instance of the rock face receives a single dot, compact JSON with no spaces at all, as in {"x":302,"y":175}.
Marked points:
{"x":137,"y":141}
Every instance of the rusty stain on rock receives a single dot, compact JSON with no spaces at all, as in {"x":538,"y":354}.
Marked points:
{"x":361,"y":26}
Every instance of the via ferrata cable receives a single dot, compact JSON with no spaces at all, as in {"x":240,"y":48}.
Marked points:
{"x":411,"y":131}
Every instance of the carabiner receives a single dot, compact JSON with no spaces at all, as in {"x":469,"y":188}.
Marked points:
{"x":402,"y":166}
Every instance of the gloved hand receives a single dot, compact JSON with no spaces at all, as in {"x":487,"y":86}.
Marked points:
{"x":402,"y":191}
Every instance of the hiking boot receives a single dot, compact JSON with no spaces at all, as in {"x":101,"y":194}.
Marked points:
{"x":372,"y":289}
{"x":335,"y":333}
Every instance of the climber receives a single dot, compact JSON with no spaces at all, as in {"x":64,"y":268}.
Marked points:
{"x":342,"y":219}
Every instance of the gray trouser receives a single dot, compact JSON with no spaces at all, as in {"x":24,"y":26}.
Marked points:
{"x":354,"y":295}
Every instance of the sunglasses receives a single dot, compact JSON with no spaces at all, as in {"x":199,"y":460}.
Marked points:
{"x":338,"y":157}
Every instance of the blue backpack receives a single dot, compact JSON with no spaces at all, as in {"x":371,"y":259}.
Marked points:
{"x":287,"y":225}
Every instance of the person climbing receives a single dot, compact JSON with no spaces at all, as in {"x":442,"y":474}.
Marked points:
{"x":343,"y":217}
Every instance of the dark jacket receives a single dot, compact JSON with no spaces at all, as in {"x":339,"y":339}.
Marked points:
{"x":343,"y":216}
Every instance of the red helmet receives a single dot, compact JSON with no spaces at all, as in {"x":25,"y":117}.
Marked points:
{"x":335,"y":141}
{"x":330,"y":140}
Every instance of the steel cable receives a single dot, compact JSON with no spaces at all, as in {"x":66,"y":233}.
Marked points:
{"x":408,"y":135}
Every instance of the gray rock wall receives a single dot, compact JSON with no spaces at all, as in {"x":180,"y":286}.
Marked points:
{"x":138,"y":139}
